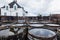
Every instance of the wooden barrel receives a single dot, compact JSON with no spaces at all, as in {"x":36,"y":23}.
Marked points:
{"x":41,"y":34}
{"x":21,"y":21}
{"x":5,"y":33}
{"x":58,"y":33}
{"x":53,"y":26}
{"x":12,"y":33}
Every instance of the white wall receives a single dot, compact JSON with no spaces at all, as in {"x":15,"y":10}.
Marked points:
{"x":3,"y":10}
{"x":12,"y":12}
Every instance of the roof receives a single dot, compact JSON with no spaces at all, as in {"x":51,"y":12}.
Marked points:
{"x":56,"y":15}
{"x":12,"y":3}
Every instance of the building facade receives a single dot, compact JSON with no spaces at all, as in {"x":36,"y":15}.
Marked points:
{"x":12,"y":9}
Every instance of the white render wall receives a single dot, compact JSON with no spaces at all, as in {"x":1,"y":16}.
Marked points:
{"x":12,"y":12}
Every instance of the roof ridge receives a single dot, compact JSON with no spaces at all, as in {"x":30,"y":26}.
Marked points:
{"x":11,"y":5}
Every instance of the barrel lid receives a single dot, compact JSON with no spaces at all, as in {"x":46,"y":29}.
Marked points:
{"x":52,"y":24}
{"x":37,"y":25}
{"x":6,"y":33}
{"x":44,"y":22}
{"x":17,"y":25}
{"x":33,"y":22}
{"x":43,"y":33}
{"x":21,"y":21}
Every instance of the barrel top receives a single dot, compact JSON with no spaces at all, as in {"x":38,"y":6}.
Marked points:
{"x":37,"y":25}
{"x":21,"y":21}
{"x":33,"y":22}
{"x":45,"y":22}
{"x":52,"y":24}
{"x":6,"y":25}
{"x":13,"y":25}
{"x":17,"y":24}
{"x":44,"y":33}
{"x":6,"y":33}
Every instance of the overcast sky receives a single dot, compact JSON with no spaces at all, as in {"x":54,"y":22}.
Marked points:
{"x":36,"y":7}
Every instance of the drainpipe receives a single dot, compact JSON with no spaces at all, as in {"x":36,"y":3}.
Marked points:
{"x":0,"y":17}
{"x":17,"y":17}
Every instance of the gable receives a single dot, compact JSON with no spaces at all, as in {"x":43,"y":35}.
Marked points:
{"x":12,"y":4}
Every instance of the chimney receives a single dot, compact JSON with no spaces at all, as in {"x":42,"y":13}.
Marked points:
{"x":15,"y":0}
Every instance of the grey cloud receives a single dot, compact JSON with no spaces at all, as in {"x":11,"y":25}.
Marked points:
{"x":42,"y":6}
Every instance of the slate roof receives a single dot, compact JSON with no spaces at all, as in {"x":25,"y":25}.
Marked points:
{"x":12,"y":3}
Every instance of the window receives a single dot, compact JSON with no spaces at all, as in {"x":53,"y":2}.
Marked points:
{"x":16,"y":14}
{"x":6,"y":7}
{"x":15,"y":7}
{"x":5,"y":14}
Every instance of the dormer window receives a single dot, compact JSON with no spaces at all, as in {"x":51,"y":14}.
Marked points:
{"x":6,"y":7}
{"x":15,"y":7}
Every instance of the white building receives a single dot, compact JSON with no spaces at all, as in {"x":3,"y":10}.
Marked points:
{"x":12,"y":9}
